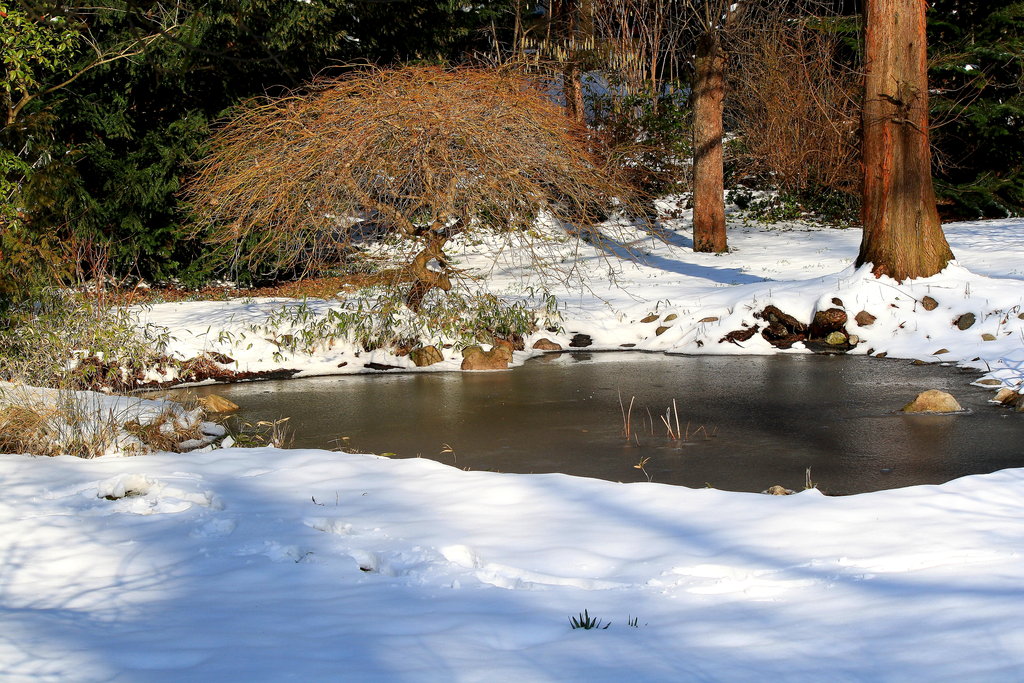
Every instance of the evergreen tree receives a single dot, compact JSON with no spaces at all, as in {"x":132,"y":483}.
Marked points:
{"x":977,"y":80}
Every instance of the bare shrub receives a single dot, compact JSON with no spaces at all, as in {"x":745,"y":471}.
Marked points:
{"x":797,"y":108}
{"x":419,"y":152}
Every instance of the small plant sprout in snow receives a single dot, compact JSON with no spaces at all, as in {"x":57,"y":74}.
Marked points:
{"x":587,"y":622}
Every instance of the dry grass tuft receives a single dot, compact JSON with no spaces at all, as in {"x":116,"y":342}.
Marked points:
{"x":21,"y":429}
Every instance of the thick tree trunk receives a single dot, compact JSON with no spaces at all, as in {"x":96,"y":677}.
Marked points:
{"x":708,"y":168}
{"x":902,"y":234}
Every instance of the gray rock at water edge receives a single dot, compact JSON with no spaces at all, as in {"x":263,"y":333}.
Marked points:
{"x":835,"y":338}
{"x":933,"y":401}
{"x":580,"y":341}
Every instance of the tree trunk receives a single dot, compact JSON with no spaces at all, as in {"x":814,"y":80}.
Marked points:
{"x":708,"y":168}
{"x":572,"y":85}
{"x":425,"y":279}
{"x":902,"y":234}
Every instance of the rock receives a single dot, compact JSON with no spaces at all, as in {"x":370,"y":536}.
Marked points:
{"x":428,"y":355}
{"x":826,"y":322}
{"x":626,"y":346}
{"x":990,"y":382}
{"x":342,"y":363}
{"x":649,"y":319}
{"x":835,"y":338}
{"x":580,"y":341}
{"x":881,"y":354}
{"x":381,"y":366}
{"x":774,"y":316}
{"x":836,"y":301}
{"x":1020,"y":316}
{"x":778,"y":491}
{"x":709,"y":319}
{"x":662,"y":329}
{"x":475,"y":358}
{"x":933,"y":401}
{"x":783,"y":330}
{"x":516,"y":340}
{"x":964,"y":321}
{"x":988,"y":336}
{"x":670,"y":317}
{"x":213,"y":403}
{"x":545,"y":344}
{"x":854,"y":340}
{"x":1008,"y":397}
{"x":741,"y":335}
{"x":928,"y":303}
{"x":864,"y":319}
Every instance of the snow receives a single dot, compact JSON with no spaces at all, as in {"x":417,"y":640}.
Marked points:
{"x":796,"y":267}
{"x":266,"y":564}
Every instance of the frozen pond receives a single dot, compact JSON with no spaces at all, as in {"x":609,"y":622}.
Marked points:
{"x":747,"y":422}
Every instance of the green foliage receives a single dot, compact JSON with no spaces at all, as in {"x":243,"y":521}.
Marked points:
{"x":816,"y":204}
{"x":62,"y":340}
{"x":109,"y":151}
{"x":977,"y":80}
{"x":378,"y":318}
{"x":32,"y":47}
{"x":651,"y":132}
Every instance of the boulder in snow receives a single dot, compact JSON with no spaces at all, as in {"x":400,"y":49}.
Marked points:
{"x":545,"y":344}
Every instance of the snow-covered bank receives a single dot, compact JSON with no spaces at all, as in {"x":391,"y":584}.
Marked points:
{"x":306,"y":565}
{"x":690,"y":301}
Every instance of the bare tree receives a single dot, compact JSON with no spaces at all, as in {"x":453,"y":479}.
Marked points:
{"x":423,"y":152}
{"x":902,"y":234}
{"x":796,"y":99}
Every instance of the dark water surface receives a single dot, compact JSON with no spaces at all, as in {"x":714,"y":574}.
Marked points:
{"x":752,"y":421}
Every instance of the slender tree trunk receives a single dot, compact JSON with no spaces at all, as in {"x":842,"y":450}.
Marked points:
{"x":902,"y":234}
{"x":425,"y":279}
{"x":708,"y":167}
{"x":579,"y":22}
{"x":572,"y":85}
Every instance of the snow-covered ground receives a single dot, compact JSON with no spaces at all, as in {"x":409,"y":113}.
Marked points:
{"x":266,"y":564}
{"x":693,"y":299}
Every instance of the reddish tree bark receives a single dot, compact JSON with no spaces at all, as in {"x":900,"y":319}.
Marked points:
{"x":708,"y":166}
{"x":902,"y":234}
